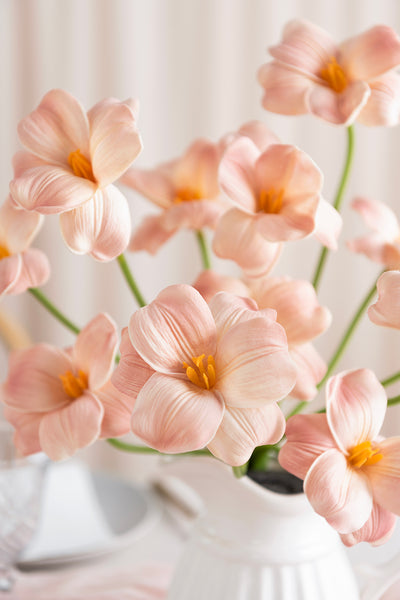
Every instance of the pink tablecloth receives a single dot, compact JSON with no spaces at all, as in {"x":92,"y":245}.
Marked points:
{"x":145,"y":582}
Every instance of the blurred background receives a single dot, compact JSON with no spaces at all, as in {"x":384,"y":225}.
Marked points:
{"x":192,"y":64}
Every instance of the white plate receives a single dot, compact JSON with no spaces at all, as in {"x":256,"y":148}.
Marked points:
{"x":87,"y":515}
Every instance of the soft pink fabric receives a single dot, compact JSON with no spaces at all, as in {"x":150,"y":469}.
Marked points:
{"x":147,"y":581}
{"x":351,"y":474}
{"x":185,"y":188}
{"x":310,"y":73}
{"x":382,"y":244}
{"x":45,"y":414}
{"x":22,"y":267}
{"x":104,"y":142}
{"x":386,"y":311}
{"x":172,"y":412}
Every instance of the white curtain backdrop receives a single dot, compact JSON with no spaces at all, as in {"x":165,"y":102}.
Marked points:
{"x":192,"y":64}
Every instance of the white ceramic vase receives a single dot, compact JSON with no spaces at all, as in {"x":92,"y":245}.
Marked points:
{"x":254,"y":544}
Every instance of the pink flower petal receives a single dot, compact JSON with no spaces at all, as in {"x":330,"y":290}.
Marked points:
{"x":101,"y":227}
{"x":10,"y":271}
{"x":150,"y":235}
{"x":383,"y":106}
{"x":355,"y":407}
{"x":242,"y":430}
{"x":296,"y":304}
{"x":371,"y":53}
{"x":237,"y":238}
{"x":173,"y":416}
{"x":292,"y":224}
{"x":132,"y":372}
{"x":95,"y":349}
{"x":384,"y":476}
{"x":253,"y":365}
{"x":175,"y":327}
{"x":338,"y":493}
{"x":26,"y":437}
{"x":386,"y":311}
{"x":114,"y":139}
{"x":376,"y":248}
{"x":304,"y":46}
{"x":339,"y":109}
{"x":155,"y":185}
{"x":377,"y":216}
{"x":57,"y":127}
{"x":196,"y":214}
{"x":285,"y":90}
{"x":310,"y":370}
{"x":198,"y":169}
{"x":229,"y":310}
{"x":35,"y":271}
{"x":117,"y":411}
{"x":236,"y":173}
{"x":286,"y":167}
{"x":77,"y":425}
{"x":50,"y":190}
{"x":308,"y":436}
{"x":376,"y":531}
{"x":328,"y":225}
{"x":17,"y":227}
{"x":33,"y":383}
{"x":23,"y":160}
{"x":259,"y":133}
{"x":210,"y":283}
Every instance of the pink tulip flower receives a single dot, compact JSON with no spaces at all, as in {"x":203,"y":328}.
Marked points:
{"x":382,"y":245}
{"x":386,"y":311}
{"x":186,"y":189}
{"x":72,"y":160}
{"x":21,"y":267}
{"x":351,"y":474}
{"x":303,"y":319}
{"x":310,"y":73}
{"x":218,"y":373}
{"x":277,"y":196}
{"x":62,"y":400}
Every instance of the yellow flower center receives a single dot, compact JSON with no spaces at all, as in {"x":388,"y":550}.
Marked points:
{"x":80,"y":165}
{"x":4,"y":252}
{"x":334,"y":75}
{"x":201,"y":375}
{"x":270,"y":201}
{"x":187,"y":195}
{"x":364,"y":455}
{"x":74,"y":385}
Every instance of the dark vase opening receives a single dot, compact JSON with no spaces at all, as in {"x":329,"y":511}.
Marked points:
{"x":281,"y":482}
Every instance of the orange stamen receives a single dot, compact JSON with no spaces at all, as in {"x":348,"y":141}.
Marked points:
{"x":364,"y":455}
{"x":4,"y":252}
{"x":74,"y":385}
{"x":80,"y":165}
{"x":270,"y":201}
{"x":187,"y":195}
{"x":202,"y":376}
{"x":334,"y":76}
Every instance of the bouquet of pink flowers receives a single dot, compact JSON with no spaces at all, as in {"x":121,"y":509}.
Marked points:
{"x":202,"y":368}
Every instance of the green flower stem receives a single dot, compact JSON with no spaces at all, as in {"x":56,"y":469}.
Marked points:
{"x":205,"y":255}
{"x":130,"y":280}
{"x":338,"y":200}
{"x":38,"y":294}
{"x":393,"y":401}
{"x":125,"y":447}
{"x":390,"y":380}
{"x":342,"y":346}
